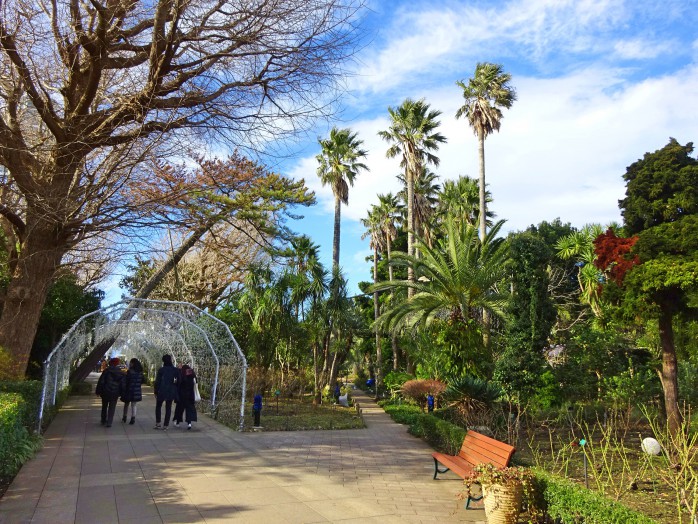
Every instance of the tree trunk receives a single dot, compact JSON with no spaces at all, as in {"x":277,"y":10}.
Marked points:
{"x":410,"y":175}
{"x":669,"y":370}
{"x":337,"y":230}
{"x":26,"y":294}
{"x":483,"y":202}
{"x":393,"y":338}
{"x":376,"y":313}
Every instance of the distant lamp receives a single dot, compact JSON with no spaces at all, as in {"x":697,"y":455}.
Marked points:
{"x":651,"y":446}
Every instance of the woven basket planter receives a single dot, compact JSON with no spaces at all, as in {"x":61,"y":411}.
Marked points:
{"x":502,"y":502}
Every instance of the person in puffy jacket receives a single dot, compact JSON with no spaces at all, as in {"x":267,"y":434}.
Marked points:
{"x":166,"y":390}
{"x":132,"y":393}
{"x":186,"y":404}
{"x":109,"y":388}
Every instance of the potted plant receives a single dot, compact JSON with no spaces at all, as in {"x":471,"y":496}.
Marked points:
{"x":503,"y":491}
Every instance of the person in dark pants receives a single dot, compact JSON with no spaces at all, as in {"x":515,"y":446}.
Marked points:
{"x":109,"y":388}
{"x":186,"y":404}
{"x":132,"y":393}
{"x":257,"y":409}
{"x":165,"y":386}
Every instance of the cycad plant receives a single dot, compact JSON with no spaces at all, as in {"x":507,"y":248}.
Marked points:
{"x":457,"y":278}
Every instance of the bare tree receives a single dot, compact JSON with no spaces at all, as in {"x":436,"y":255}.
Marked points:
{"x":89,"y":90}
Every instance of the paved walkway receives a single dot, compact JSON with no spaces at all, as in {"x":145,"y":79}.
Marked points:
{"x":86,"y":473}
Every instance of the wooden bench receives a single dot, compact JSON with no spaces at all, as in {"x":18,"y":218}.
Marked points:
{"x":476,"y":449}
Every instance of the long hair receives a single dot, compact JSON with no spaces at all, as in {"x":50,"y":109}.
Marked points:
{"x":136,"y":365}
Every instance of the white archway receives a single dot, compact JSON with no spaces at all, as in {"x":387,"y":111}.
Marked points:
{"x":148,"y":329}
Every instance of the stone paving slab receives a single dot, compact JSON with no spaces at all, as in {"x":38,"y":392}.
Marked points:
{"x":90,"y":474}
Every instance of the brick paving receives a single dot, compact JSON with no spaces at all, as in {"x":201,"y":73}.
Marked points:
{"x":90,"y":474}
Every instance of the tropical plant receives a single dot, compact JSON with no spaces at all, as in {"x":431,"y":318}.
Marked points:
{"x":339,"y":164}
{"x":579,"y":245}
{"x":485,"y":93}
{"x":413,"y":136}
{"x":374,"y":229}
{"x":457,"y":278}
{"x":460,"y":198}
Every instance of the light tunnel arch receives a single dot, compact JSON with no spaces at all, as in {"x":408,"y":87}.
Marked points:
{"x":147,"y":329}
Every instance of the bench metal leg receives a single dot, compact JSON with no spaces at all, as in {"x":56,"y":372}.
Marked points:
{"x":437,"y":470}
{"x":471,"y":499}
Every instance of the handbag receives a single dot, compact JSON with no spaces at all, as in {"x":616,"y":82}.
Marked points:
{"x":197,"y":395}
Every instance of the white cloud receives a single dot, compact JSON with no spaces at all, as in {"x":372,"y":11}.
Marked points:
{"x":561,"y":152}
{"x":640,"y":48}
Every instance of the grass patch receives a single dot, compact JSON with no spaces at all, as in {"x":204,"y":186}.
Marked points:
{"x":299,"y":414}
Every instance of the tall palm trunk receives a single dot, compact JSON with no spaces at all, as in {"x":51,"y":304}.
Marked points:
{"x":376,"y":314}
{"x":393,"y":337}
{"x":486,"y":320}
{"x":410,"y":175}
{"x":337,"y":225}
{"x":483,"y":203}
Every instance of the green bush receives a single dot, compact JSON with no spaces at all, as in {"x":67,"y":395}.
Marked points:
{"x":81,"y":388}
{"x":567,"y":502}
{"x":30,"y":391}
{"x":16,"y":444}
{"x":395,"y":379}
{"x":442,"y":435}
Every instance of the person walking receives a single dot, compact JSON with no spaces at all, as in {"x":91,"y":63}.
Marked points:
{"x":166,"y":390}
{"x":132,"y":392}
{"x":186,"y":404}
{"x":109,"y":388}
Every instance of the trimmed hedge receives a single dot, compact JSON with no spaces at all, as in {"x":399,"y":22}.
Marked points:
{"x":568,"y":502}
{"x":443,"y":436}
{"x":30,"y":391}
{"x":561,"y":500}
{"x":16,"y":444}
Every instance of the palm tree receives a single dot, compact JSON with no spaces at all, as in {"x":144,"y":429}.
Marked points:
{"x":458,"y":277}
{"x":460,"y":199}
{"x":389,"y":215}
{"x":374,"y":229}
{"x":339,"y":165}
{"x":413,"y":135}
{"x":485,"y":94}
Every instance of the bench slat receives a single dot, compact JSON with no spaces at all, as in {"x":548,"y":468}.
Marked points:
{"x":476,"y":449}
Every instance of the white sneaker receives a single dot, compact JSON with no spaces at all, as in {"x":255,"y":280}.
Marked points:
{"x":188,"y":426}
{"x":176,"y":424}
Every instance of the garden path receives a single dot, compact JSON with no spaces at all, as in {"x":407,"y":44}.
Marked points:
{"x":86,"y":473}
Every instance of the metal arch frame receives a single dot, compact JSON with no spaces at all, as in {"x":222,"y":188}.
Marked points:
{"x":227,"y":330}
{"x":136,"y":305}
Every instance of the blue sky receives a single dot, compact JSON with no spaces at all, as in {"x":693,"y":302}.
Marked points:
{"x":599,"y":83}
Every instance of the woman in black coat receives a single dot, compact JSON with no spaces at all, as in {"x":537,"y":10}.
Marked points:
{"x":166,"y":390}
{"x":132,"y":393}
{"x":109,"y":387}
{"x":186,"y":404}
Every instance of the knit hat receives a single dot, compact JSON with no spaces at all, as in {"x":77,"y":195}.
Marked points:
{"x":114,"y":361}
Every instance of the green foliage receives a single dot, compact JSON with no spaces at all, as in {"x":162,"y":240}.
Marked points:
{"x":570,"y":503}
{"x":661,"y":187}
{"x":469,"y":388}
{"x":66,"y":302}
{"x":441,"y":435}
{"x":81,"y":388}
{"x":30,"y":391}
{"x":549,"y":393}
{"x":531,"y":315}
{"x":395,"y":379}
{"x":16,"y":444}
{"x":454,"y":278}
